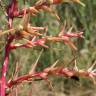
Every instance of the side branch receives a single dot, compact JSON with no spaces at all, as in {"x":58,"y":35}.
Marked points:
{"x":57,"y":71}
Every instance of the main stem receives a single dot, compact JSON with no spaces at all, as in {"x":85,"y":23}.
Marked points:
{"x":5,"y":66}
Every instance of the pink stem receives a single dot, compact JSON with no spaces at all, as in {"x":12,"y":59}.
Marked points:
{"x":4,"y":67}
{"x":58,"y":71}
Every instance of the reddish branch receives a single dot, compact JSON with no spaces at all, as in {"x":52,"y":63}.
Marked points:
{"x":29,"y":10}
{"x":57,"y":71}
{"x":4,"y":67}
{"x":40,"y":6}
{"x":11,"y":8}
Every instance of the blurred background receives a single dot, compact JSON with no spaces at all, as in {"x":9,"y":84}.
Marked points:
{"x":81,"y":19}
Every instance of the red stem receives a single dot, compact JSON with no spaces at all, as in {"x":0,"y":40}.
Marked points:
{"x":64,"y":72}
{"x":5,"y":66}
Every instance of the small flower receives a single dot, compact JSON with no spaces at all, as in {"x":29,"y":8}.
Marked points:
{"x":74,"y":35}
{"x":41,"y":42}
